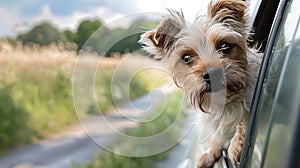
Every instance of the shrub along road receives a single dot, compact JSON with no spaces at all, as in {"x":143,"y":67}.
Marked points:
{"x":59,"y":151}
{"x":73,"y":144}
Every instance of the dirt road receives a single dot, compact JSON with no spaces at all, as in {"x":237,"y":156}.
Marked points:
{"x":73,"y":144}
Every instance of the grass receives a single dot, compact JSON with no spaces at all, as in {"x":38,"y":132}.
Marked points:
{"x":170,"y":113}
{"x":36,"y":97}
{"x":117,"y":161}
{"x":168,"y":116}
{"x":149,"y":79}
{"x":35,"y":93}
{"x":127,"y":82}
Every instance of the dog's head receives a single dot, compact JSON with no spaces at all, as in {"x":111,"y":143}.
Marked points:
{"x":208,"y":56}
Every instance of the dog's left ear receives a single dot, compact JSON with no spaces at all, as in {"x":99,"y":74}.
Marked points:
{"x":161,"y":39}
{"x":232,"y":12}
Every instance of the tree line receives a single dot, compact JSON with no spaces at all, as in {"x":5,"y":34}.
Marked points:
{"x":91,"y":35}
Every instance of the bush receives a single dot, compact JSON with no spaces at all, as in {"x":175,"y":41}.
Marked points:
{"x":116,"y":161}
{"x":35,"y":93}
{"x":168,"y":116}
{"x":13,"y":117}
{"x":32,"y":107}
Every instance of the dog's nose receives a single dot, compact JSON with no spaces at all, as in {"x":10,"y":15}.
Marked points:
{"x":212,"y":74}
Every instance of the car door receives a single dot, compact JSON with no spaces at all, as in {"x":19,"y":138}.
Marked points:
{"x":273,"y":130}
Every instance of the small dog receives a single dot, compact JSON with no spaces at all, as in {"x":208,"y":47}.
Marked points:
{"x":210,"y":60}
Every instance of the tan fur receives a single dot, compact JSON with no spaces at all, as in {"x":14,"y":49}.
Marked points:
{"x":236,"y":143}
{"x":226,"y":96}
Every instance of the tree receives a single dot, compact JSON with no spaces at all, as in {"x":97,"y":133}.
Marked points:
{"x":91,"y":36}
{"x":70,"y":36}
{"x":85,"y":29}
{"x":43,"y":34}
{"x":127,"y":39}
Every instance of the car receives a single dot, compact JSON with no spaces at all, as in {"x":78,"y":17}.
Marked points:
{"x":273,"y":131}
{"x":272,"y":138}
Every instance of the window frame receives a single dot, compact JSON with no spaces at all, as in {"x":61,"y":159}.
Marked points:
{"x":253,"y":121}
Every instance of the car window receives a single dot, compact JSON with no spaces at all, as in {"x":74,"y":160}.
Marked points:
{"x":278,"y":94}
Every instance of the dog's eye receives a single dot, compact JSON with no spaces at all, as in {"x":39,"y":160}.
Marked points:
{"x":187,"y":58}
{"x":224,"y":47}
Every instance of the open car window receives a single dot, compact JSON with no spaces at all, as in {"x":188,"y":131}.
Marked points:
{"x":277,"y":102}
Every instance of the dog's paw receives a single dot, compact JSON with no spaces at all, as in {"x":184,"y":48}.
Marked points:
{"x":234,"y":152}
{"x":235,"y":147}
{"x":208,"y":158}
{"x":236,"y":143}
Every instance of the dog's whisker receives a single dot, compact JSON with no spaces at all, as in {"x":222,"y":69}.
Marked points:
{"x":191,"y":73}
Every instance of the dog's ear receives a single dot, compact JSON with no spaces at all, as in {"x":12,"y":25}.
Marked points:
{"x":161,"y":39}
{"x":232,"y":12}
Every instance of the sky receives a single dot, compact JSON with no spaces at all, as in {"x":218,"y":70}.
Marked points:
{"x":20,"y":15}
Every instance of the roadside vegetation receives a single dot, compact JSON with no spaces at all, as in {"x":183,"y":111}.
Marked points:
{"x":163,"y":122}
{"x":36,"y":90}
{"x":91,"y":34}
{"x":36,"y":94}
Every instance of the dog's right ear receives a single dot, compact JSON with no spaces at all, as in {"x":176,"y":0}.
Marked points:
{"x":161,"y":39}
{"x":230,"y":12}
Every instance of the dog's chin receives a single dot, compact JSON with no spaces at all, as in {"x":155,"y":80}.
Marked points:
{"x":217,"y":92}
{"x":201,"y":97}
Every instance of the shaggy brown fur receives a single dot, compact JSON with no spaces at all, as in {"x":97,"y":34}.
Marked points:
{"x":211,"y":62}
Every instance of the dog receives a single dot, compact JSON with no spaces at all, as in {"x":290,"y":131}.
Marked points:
{"x":212,"y":63}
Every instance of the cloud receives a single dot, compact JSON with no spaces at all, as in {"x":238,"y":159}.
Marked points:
{"x":62,"y":22}
{"x":68,"y":7}
{"x":8,"y":21}
{"x":124,"y":7}
{"x":190,"y":8}
{"x":71,"y":21}
{"x":68,"y":13}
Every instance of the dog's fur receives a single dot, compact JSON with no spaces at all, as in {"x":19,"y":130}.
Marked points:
{"x":210,"y":60}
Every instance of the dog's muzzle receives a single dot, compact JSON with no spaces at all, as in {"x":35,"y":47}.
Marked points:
{"x":213,"y":79}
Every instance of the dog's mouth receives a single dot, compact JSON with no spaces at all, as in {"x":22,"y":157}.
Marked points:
{"x":213,"y":87}
{"x":223,"y":86}
{"x":201,"y":97}
{"x":216,"y":87}
{"x":214,"y":83}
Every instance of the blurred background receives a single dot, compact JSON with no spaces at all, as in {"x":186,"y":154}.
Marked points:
{"x":42,"y":103}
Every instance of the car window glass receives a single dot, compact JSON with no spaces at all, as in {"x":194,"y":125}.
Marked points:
{"x":281,"y":121}
{"x":274,"y":86}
